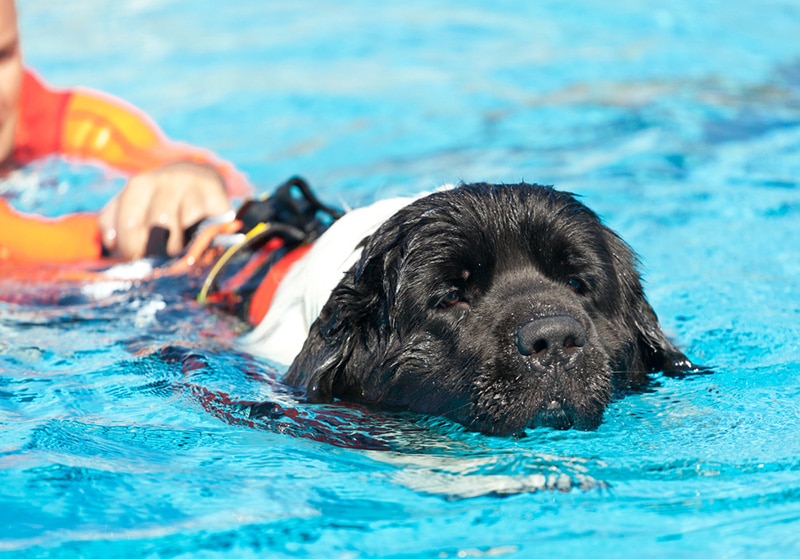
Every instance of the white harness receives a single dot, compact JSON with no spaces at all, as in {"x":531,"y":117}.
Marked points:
{"x":309,"y":282}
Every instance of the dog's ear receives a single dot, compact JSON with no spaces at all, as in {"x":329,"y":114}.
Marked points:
{"x":655,"y":350}
{"x":652,"y":350}
{"x":342,"y":344}
{"x":324,"y":353}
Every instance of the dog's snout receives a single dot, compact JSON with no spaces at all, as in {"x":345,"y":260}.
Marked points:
{"x":550,"y":336}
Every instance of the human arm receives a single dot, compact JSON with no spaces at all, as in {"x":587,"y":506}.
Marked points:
{"x":171,"y":184}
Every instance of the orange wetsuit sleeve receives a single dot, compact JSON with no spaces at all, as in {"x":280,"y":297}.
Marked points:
{"x":92,"y":126}
{"x":41,"y":111}
{"x":102,"y":128}
{"x":26,"y":238}
{"x":87,"y":125}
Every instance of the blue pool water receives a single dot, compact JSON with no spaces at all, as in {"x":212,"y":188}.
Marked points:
{"x":126,"y":422}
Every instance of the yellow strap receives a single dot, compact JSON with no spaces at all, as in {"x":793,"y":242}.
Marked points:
{"x":254,"y":233}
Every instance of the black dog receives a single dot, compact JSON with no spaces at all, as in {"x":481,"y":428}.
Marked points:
{"x":501,"y":307}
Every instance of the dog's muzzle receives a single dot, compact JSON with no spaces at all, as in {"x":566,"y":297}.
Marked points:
{"x":550,"y":338}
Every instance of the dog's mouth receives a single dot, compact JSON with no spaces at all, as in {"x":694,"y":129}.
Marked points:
{"x":554,"y":416}
{"x":560,"y":417}
{"x":566,"y":393}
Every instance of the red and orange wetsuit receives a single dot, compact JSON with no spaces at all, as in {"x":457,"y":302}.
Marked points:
{"x":89,"y":126}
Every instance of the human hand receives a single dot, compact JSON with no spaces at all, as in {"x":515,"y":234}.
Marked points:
{"x":173,"y":197}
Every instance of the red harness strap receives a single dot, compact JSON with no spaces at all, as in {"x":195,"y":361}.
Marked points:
{"x":263,"y":295}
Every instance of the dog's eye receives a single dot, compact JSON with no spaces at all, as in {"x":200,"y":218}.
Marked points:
{"x":577,"y":285}
{"x":452,"y":298}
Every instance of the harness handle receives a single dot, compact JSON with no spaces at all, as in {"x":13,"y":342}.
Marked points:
{"x":288,"y":218}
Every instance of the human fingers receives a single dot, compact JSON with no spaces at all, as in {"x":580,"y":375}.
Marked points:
{"x":173,"y":198}
{"x":206,"y":200}
{"x":165,"y":213}
{"x":186,"y":195}
{"x":133,"y":216}
{"x":107,"y":220}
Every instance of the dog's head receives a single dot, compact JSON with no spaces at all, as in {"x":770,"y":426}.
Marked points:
{"x":499,"y":306}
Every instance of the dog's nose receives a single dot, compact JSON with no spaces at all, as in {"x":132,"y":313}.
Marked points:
{"x":550,"y":335}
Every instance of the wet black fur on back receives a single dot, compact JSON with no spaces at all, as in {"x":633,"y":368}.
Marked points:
{"x":501,"y":307}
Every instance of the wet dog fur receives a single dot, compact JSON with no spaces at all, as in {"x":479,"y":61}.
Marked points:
{"x":502,"y":307}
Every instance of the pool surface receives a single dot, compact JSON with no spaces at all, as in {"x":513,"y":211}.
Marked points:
{"x":127,"y":422}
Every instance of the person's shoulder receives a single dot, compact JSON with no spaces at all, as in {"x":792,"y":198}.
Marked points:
{"x":33,"y":83}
